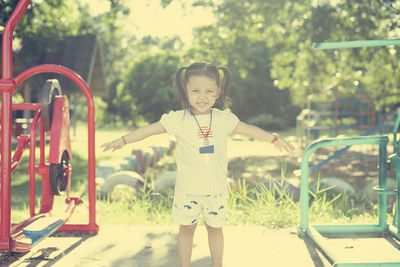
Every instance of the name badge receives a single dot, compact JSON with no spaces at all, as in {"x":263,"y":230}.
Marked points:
{"x":206,"y":149}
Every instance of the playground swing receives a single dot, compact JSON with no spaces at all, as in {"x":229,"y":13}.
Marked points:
{"x":52,"y":116}
{"x":320,"y":233}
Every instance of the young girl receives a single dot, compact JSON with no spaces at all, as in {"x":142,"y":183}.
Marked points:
{"x":201,"y":132}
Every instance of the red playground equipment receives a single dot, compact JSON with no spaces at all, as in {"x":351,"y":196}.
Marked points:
{"x":52,"y":116}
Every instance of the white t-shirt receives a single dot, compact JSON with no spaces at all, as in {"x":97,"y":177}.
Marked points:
{"x":201,"y":168}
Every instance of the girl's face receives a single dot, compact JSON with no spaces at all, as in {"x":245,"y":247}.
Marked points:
{"x":202,"y":92}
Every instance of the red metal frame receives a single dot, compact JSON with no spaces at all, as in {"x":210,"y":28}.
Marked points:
{"x":363,"y":99}
{"x":8,"y":85}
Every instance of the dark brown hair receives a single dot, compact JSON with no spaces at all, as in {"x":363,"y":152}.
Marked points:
{"x":209,"y":70}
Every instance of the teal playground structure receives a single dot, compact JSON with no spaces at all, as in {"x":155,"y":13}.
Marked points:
{"x":382,"y":236}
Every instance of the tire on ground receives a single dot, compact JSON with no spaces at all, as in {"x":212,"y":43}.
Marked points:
{"x":127,"y":178}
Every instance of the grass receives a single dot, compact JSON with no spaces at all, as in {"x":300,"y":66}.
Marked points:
{"x":261,"y":206}
{"x":248,"y":204}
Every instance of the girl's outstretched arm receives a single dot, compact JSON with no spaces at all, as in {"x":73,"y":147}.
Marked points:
{"x":137,"y":135}
{"x":259,"y":134}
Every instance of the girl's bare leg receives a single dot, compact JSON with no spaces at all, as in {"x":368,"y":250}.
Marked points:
{"x":216,"y":244}
{"x":185,"y":244}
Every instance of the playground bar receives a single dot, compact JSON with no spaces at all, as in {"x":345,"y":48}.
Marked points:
{"x":382,"y":168}
{"x":361,"y":140}
{"x":32,"y":165}
{"x":26,"y":106}
{"x":91,"y":136}
{"x":354,"y":44}
{"x":319,"y":239}
{"x":395,"y":128}
{"x":349,"y":229}
{"x":7,"y":87}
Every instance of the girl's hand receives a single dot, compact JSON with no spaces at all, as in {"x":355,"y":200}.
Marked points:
{"x":282,"y":144}
{"x":114,"y":145}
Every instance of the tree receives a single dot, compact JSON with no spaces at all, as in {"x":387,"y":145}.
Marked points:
{"x":288,"y":28}
{"x":107,"y":26}
{"x":52,"y":20}
{"x":237,"y":42}
{"x":43,"y":18}
{"x":362,"y":70}
{"x":148,"y":83}
{"x":127,"y":95}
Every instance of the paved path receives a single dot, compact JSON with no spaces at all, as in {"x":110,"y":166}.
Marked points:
{"x":155,"y":246}
{"x":148,"y":246}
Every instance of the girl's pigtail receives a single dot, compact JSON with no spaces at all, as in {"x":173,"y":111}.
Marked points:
{"x":179,"y":86}
{"x":226,"y":83}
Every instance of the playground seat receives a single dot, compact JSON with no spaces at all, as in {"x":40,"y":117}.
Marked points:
{"x":42,"y":227}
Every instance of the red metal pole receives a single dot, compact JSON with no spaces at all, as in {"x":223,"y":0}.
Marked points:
{"x":7,"y":87}
{"x":26,"y":106}
{"x":91,"y":131}
{"x":32,"y":164}
{"x":42,"y":144}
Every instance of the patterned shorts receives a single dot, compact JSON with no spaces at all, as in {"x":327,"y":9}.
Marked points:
{"x":186,"y":209}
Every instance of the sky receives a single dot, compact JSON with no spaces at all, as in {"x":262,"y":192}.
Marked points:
{"x":149,"y":18}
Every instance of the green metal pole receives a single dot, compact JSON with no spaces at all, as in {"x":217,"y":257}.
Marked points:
{"x":354,"y":44}
{"x":396,"y":162}
{"x":395,"y":128}
{"x":348,"y":228}
{"x":396,"y":219}
{"x":322,"y":242}
{"x":304,"y":195}
{"x":382,"y":165}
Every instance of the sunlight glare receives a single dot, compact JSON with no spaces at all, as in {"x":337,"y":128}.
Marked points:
{"x":97,"y":7}
{"x":149,"y":18}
